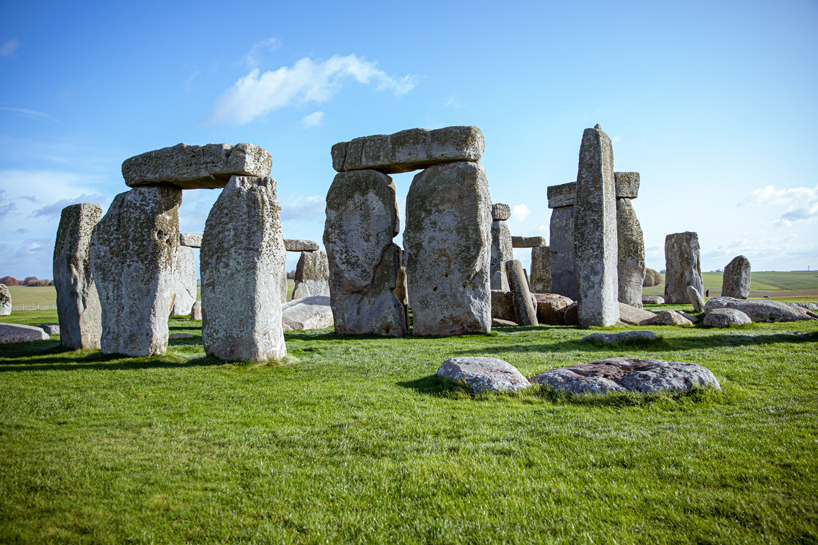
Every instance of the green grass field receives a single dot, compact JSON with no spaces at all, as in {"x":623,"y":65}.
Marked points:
{"x":355,"y":440}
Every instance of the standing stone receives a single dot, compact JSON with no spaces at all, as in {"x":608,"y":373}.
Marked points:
{"x":501,"y":248}
{"x":631,"y":254}
{"x":595,"y":240}
{"x":196,"y":311}
{"x":241,"y":258}
{"x":133,"y":261}
{"x":695,"y":298}
{"x":311,"y":275}
{"x":401,"y":291}
{"x":78,"y":306}
{"x":186,"y":286}
{"x":682,"y":266}
{"x":541,"y":270}
{"x":525,"y":308}
{"x":561,"y":199}
{"x":191,"y":240}
{"x":448,"y":245}
{"x":5,"y":300}
{"x":362,"y":219}
{"x":736,"y":280}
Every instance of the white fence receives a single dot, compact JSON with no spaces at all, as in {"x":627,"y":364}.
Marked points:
{"x":37,"y":306}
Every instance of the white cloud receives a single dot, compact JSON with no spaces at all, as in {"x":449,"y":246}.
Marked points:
{"x":8,"y":49}
{"x":313,"y":120}
{"x":253,"y":57}
{"x":32,"y":114}
{"x":258,"y":94}
{"x":802,"y":203}
{"x":303,"y":208}
{"x":6,"y":206}
{"x":616,"y":138}
{"x":520,"y":212}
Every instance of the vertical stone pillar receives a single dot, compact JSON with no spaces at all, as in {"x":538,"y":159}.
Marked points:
{"x":525,"y":308}
{"x":561,"y":200}
{"x":448,"y":245}
{"x":133,"y":261}
{"x":311,"y":275}
{"x":186,"y":286}
{"x":362,"y":219}
{"x":501,"y":250}
{"x":78,"y":306}
{"x":737,"y":278}
{"x":540,"y":269}
{"x":241,"y":257}
{"x":595,"y":240}
{"x":631,"y":247}
{"x":682,"y":266}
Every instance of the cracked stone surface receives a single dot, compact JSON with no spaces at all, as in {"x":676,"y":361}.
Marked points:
{"x":484,"y":374}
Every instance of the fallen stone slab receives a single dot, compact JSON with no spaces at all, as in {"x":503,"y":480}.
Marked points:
{"x":527,"y":242}
{"x":18,"y":333}
{"x":551,"y":307}
{"x":653,"y":300}
{"x":307,"y":313}
{"x":194,"y":167}
{"x":610,"y":338}
{"x":50,"y":328}
{"x":761,"y":311}
{"x":628,"y":375}
{"x":5,"y":300}
{"x":300,"y":245}
{"x":498,"y":322}
{"x":409,"y":150}
{"x":696,"y":299}
{"x":190,"y":240}
{"x":725,"y":317}
{"x":562,"y":195}
{"x":484,"y":374}
{"x":808,"y":306}
{"x":177,"y":336}
{"x":688,"y":316}
{"x":634,"y":316}
{"x":669,"y":317}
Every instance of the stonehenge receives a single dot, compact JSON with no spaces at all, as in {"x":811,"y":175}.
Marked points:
{"x":525,"y":308}
{"x":561,"y":200}
{"x":540,"y":280}
{"x":311,"y":275}
{"x":631,"y":242}
{"x":501,"y":246}
{"x":682,"y":266}
{"x":736,"y":279}
{"x":5,"y":300}
{"x":186,"y":285}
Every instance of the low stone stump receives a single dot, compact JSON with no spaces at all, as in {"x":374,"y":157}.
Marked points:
{"x":669,"y":317}
{"x":5,"y":300}
{"x":725,"y":317}
{"x":484,"y":374}
{"x":761,"y":311}
{"x":653,"y":300}
{"x":611,"y":338}
{"x":627,"y":375}
{"x":551,"y":307}
{"x":50,"y":328}
{"x":696,"y":299}
{"x":634,"y":316}
{"x":196,"y":311}
{"x":18,"y":333}
{"x":307,"y":313}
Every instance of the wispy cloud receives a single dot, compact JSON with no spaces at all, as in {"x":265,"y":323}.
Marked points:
{"x":312,"y":120}
{"x":55,"y":209}
{"x":31,"y":114}
{"x":520,"y":212}
{"x":802,"y":203}
{"x":6,"y":205}
{"x":303,"y":208}
{"x":253,"y":57}
{"x":9,"y":48}
{"x":258,"y":94}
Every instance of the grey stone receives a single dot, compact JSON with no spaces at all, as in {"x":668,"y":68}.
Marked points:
{"x":634,"y":316}
{"x":725,"y":317}
{"x":484,"y":374}
{"x":540,"y":281}
{"x":627,"y":185}
{"x":5,"y":300}
{"x":190,"y":240}
{"x":683,"y":266}
{"x":241,"y":260}
{"x":177,"y":336}
{"x":630,"y":254}
{"x":501,"y":253}
{"x":690,"y":317}
{"x":736,"y":279}
{"x":401,"y":291}
{"x":761,"y":311}
{"x":669,"y":317}
{"x":502,"y":305}
{"x":628,"y":374}
{"x":595,"y":240}
{"x":408,"y":150}
{"x":808,"y":306}
{"x":78,"y":307}
{"x":192,"y":167}
{"x":611,"y":338}
{"x":362,"y":219}
{"x":527,"y":242}
{"x":133,"y":261}
{"x":562,"y":195}
{"x":307,"y":313}
{"x":18,"y":333}
{"x":500,"y":212}
{"x":653,"y":300}
{"x":563,"y":278}
{"x":448,"y":247}
{"x":499,"y":322}
{"x":196,"y":311}
{"x":311,"y":275}
{"x":525,"y":311}
{"x":570,"y":315}
{"x":51,"y":329}
{"x":300,"y":245}
{"x":551,"y":308}
{"x":695,"y":298}
{"x":186,"y":285}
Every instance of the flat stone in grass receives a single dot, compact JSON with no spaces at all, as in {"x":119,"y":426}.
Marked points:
{"x":51,"y":329}
{"x":653,"y":300}
{"x":725,"y":317}
{"x":634,"y":316}
{"x":688,"y":316}
{"x":307,"y":313}
{"x":627,"y":375}
{"x":18,"y":333}
{"x":484,"y":374}
{"x":610,"y":338}
{"x":669,"y":317}
{"x":761,"y":311}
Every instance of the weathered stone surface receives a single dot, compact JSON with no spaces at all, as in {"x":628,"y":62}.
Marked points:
{"x":690,"y":317}
{"x":808,"y":306}
{"x":300,"y":245}
{"x":186,"y":285}
{"x":362,"y":219}
{"x":682,"y":265}
{"x":408,"y":150}
{"x":527,"y":242}
{"x":551,"y":307}
{"x":627,"y":185}
{"x":761,"y":311}
{"x":595,"y":240}
{"x":562,"y":195}
{"x":502,"y":305}
{"x":652,"y":278}
{"x":196,"y":311}
{"x":653,"y":300}
{"x":611,"y":338}
{"x":563,"y":279}
{"x":401,"y":291}
{"x":634,"y":316}
{"x":695,"y":299}
{"x":500,"y":212}
{"x":50,"y":328}
{"x":498,"y":322}
{"x":18,"y":333}
{"x":484,"y":374}
{"x":5,"y":300}
{"x":540,"y":281}
{"x":190,"y":240}
{"x":725,"y":317}
{"x":570,"y":315}
{"x":307,"y":313}
{"x":193,"y":167}
{"x":178,"y":336}
{"x":501,"y":253}
{"x":241,"y":260}
{"x":448,"y":245}
{"x":311,"y":275}
{"x":628,"y":374}
{"x":133,"y":261}
{"x":669,"y":317}
{"x":525,"y":308}
{"x":736,"y":279}
{"x":630,"y":254}
{"x":78,"y":305}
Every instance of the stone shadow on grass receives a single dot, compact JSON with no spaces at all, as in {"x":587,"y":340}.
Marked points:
{"x":103,"y":362}
{"x":436,"y":385}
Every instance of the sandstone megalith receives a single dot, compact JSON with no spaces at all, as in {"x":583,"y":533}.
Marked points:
{"x":631,"y":242}
{"x":540,"y":281}
{"x":311,"y":275}
{"x":501,"y":248}
{"x":682,"y":266}
{"x":561,"y":199}
{"x":736,"y":280}
{"x":525,"y":308}
{"x":5,"y":300}
{"x":186,"y":285}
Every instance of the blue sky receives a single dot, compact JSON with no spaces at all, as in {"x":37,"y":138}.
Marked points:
{"x":713,"y":103}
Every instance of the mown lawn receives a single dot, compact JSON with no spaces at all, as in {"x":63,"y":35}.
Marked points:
{"x":355,"y":440}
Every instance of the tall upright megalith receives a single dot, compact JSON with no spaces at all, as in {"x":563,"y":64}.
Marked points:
{"x":682,"y":266}
{"x":186,"y":285}
{"x":78,"y":305}
{"x":311,"y":275}
{"x":631,"y":242}
{"x":448,"y":246}
{"x":241,"y":259}
{"x":540,"y":281}
{"x":133,"y":262}
{"x":561,"y":199}
{"x":362,"y":219}
{"x":501,"y":249}
{"x":595,"y":240}
{"x":5,"y":300}
{"x":736,"y":279}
